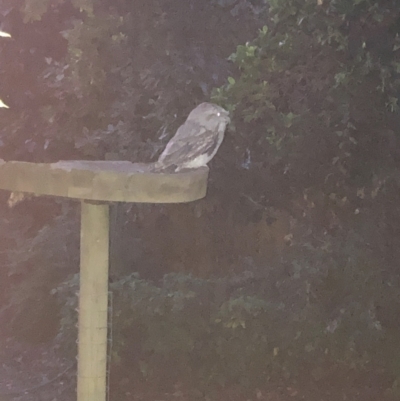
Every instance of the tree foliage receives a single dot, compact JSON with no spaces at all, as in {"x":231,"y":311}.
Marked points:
{"x":314,"y":139}
{"x":317,"y":91}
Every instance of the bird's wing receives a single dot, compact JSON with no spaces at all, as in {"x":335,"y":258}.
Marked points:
{"x":190,"y":141}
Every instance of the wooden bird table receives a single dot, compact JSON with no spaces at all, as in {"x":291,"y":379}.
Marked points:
{"x":96,"y":184}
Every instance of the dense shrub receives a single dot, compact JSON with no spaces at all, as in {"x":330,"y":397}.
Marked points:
{"x":231,"y":330}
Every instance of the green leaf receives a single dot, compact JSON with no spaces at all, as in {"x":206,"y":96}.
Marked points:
{"x":288,"y":119}
{"x":33,"y":10}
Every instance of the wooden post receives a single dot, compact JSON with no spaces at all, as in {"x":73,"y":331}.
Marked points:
{"x":93,"y":303}
{"x":99,"y":181}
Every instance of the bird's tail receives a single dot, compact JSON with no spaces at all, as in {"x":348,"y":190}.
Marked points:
{"x":158,"y":167}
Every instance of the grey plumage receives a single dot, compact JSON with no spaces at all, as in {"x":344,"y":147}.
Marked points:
{"x":197,"y":140}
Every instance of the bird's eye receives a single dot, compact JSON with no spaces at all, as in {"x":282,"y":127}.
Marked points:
{"x":218,"y":114}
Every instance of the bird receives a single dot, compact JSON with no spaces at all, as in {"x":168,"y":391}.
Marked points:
{"x":197,"y":140}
